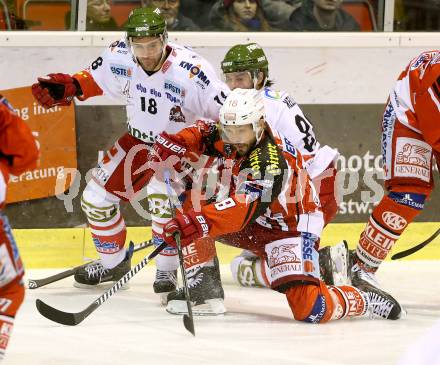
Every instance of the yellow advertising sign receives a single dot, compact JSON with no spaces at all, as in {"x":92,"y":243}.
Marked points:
{"x":54,"y":130}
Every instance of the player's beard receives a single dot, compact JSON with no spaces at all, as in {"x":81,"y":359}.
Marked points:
{"x":242,"y":149}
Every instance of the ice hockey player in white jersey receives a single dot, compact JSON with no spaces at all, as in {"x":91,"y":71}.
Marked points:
{"x":246,"y":66}
{"x":166,"y":87}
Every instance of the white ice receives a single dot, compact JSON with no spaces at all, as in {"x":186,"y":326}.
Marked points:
{"x":132,"y":328}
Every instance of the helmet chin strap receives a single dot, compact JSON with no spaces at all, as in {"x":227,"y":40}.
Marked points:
{"x":162,"y":58}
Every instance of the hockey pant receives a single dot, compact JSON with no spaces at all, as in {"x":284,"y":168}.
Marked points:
{"x":11,"y":283}
{"x":287,"y":272}
{"x":409,"y":182}
{"x":120,"y":175}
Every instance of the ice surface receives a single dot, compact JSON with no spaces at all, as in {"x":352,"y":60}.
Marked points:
{"x":131,"y":328}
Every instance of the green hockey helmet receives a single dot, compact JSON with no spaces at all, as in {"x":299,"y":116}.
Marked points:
{"x":245,"y":57}
{"x":145,"y":22}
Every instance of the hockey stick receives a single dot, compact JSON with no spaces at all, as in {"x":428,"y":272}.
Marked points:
{"x":72,"y":319}
{"x":416,"y":248}
{"x":38,"y":283}
{"x":188,"y":319}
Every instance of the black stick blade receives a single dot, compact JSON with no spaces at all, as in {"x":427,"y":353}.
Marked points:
{"x":68,"y":319}
{"x":416,"y":248}
{"x":189,"y":324}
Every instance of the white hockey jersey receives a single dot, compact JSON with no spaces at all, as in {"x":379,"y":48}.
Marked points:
{"x":285,"y":116}
{"x":186,"y":88}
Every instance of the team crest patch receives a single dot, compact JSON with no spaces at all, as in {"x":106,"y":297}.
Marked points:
{"x":413,"y":159}
{"x":176,"y":115}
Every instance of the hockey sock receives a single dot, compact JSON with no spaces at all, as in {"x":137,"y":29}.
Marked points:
{"x":387,"y":222}
{"x":249,"y":271}
{"x":348,"y":302}
{"x":6,"y":325}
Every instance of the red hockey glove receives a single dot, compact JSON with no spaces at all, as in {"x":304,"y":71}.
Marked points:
{"x":56,"y":89}
{"x":167,"y":145}
{"x":191,"y":226}
{"x":166,"y":154}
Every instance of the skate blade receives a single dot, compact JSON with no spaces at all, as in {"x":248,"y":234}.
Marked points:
{"x":211,"y":307}
{"x":106,"y":285}
{"x":163,"y":298}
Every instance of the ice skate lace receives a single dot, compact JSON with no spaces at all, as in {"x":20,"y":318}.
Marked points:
{"x":95,"y":270}
{"x":379,"y":306}
{"x":166,"y":276}
{"x":195,"y":280}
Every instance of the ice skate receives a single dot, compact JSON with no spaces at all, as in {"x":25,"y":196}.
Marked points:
{"x":94,"y":273}
{"x":205,"y":290}
{"x":334,"y":264}
{"x":165,"y":283}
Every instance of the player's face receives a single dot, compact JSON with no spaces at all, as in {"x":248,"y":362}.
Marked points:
{"x":148,"y":51}
{"x":241,"y":79}
{"x":168,"y":9}
{"x":328,"y":4}
{"x":245,"y":9}
{"x":241,"y":137}
{"x":98,"y":10}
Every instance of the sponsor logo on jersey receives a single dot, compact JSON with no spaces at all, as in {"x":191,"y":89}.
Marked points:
{"x":195,"y":71}
{"x":255,"y":160}
{"x":413,"y":159}
{"x":155,"y":93}
{"x":394,"y":221}
{"x":174,"y":88}
{"x":255,"y":189}
{"x":289,"y":102}
{"x":289,"y":147}
{"x":121,"y":70}
{"x":105,"y":247}
{"x":272,"y":94}
{"x":174,"y":99}
{"x":176,"y":115}
{"x":141,"y":88}
{"x":143,"y":136}
{"x":118,"y":44}
{"x":274,"y":160}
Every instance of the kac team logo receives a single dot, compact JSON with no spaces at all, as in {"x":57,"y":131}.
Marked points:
{"x":394,"y":221}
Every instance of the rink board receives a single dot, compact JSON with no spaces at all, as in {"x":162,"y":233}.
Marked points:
{"x":52,"y":248}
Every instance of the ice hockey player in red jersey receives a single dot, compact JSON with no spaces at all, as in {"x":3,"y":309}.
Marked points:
{"x":18,"y":153}
{"x":271,"y":209}
{"x":246,"y":66}
{"x":410,"y":138}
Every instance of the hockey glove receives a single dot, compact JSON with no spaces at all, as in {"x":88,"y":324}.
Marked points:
{"x":166,"y":154}
{"x":56,"y":89}
{"x":191,"y":226}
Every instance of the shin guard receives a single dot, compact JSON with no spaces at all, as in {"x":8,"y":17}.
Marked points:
{"x":387,"y":222}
